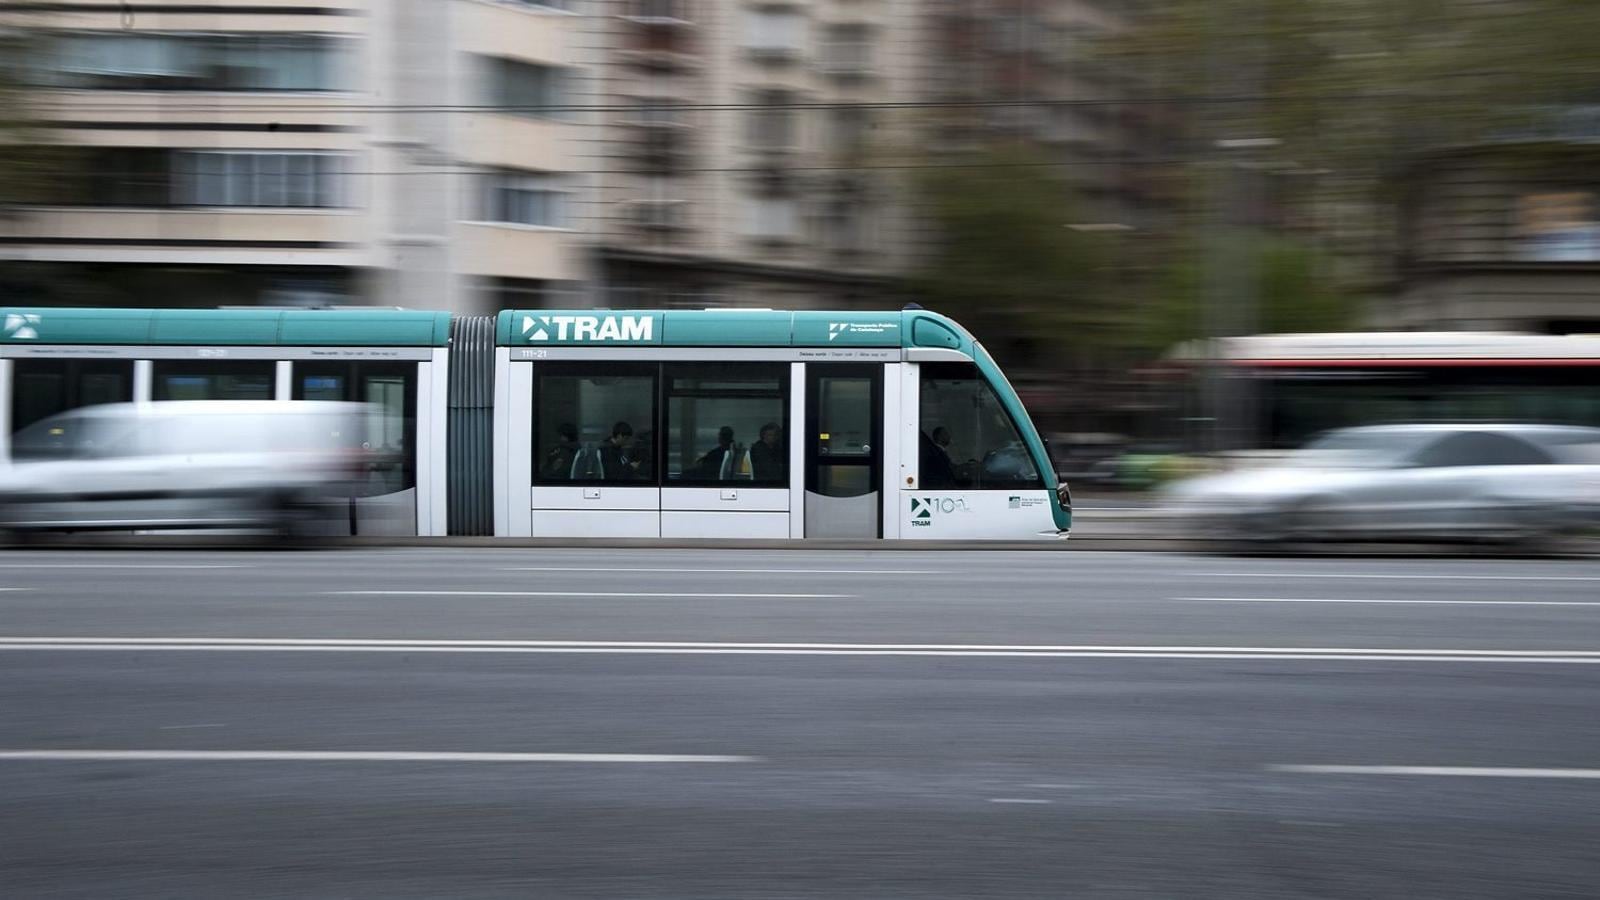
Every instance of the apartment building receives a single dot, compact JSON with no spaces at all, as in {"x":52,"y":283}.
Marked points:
{"x":743,"y":147}
{"x":1032,"y":71}
{"x":482,"y":154}
{"x":405,"y":152}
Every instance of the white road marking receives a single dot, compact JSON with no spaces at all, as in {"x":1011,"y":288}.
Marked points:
{"x":361,"y":756}
{"x":725,"y":571}
{"x":122,"y":566}
{"x":184,"y":727}
{"x":1413,"y":602}
{"x":1088,"y":651}
{"x":1408,"y":576}
{"x":1027,"y":800}
{"x":1448,"y":771}
{"x":635,"y":595}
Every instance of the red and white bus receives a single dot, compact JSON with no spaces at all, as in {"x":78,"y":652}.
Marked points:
{"x":1302,"y":384}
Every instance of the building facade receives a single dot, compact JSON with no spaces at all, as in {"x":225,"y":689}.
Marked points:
{"x":1501,"y":237}
{"x":472,"y":155}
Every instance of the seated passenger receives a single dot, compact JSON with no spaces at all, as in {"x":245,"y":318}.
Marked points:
{"x":715,"y":464}
{"x":769,"y":461}
{"x":559,"y":459}
{"x":617,"y":455}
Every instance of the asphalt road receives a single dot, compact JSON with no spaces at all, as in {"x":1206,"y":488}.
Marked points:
{"x":768,"y":724}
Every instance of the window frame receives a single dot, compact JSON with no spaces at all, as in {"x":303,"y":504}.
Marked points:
{"x":500,"y":186}
{"x":591,"y":368}
{"x":927,"y":371}
{"x":673,"y":370}
{"x":72,"y":373}
{"x":351,"y":371}
{"x":165,"y":367}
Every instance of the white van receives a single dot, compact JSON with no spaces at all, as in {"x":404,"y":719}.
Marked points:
{"x":185,"y":464}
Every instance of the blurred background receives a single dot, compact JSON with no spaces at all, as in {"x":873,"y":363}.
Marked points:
{"x":1108,"y":192}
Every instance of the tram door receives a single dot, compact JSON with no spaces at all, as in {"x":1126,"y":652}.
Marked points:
{"x":844,"y":455}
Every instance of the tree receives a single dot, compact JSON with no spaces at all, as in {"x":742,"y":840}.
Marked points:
{"x":1292,"y":282}
{"x":1358,"y":90}
{"x":1004,"y":259}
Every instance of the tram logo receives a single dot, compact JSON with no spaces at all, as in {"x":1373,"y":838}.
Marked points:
{"x":19,"y":326}
{"x":837,"y":328}
{"x":925,"y":509}
{"x":588,"y":328}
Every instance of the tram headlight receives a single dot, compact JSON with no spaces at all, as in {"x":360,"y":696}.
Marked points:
{"x":1064,"y":496}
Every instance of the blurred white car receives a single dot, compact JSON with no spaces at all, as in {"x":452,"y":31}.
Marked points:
{"x":1405,"y":482}
{"x":182,"y":464}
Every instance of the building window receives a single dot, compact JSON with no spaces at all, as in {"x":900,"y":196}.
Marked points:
{"x":727,"y":423}
{"x":117,"y":176}
{"x":851,"y":127}
{"x":772,"y":218}
{"x":774,"y":32}
{"x":562,"y":5}
{"x":593,"y":424}
{"x":525,"y":198}
{"x":771,"y":124}
{"x":252,"y":178}
{"x":847,"y":49}
{"x":659,"y":10}
{"x":968,"y":440}
{"x":146,"y":61}
{"x":527,"y":89}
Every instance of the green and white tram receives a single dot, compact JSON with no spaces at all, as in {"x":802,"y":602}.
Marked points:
{"x":761,"y":424}
{"x":604,"y":424}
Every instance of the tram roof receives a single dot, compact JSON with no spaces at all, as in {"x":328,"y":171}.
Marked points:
{"x":226,"y":327}
{"x":523,"y":328}
{"x":730,"y":328}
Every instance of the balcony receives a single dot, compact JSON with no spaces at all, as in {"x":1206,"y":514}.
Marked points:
{"x":514,"y":251}
{"x":325,"y":237}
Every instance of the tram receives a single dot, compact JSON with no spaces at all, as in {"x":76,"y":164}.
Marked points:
{"x":673,"y":424}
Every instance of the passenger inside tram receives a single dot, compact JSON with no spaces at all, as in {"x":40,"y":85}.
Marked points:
{"x":618,"y":458}
{"x":559,"y":461}
{"x":720,"y":461}
{"x":768,"y":459}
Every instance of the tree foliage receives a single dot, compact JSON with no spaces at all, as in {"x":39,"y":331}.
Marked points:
{"x":1360,"y":85}
{"x":1004,"y":257}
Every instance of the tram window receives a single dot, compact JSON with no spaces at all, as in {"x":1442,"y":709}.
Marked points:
{"x":213,"y":379}
{"x":594,"y":424}
{"x":727,"y":423}
{"x":43,"y":387}
{"x":968,"y":440}
{"x":389,"y":390}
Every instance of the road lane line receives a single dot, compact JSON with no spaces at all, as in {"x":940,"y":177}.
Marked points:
{"x":1585,"y":657}
{"x":1411,"y":602}
{"x":360,"y":756}
{"x":1399,"y":576}
{"x":1446,"y":771}
{"x":725,"y":571}
{"x":119,"y":566}
{"x":765,"y":645}
{"x":634,"y":595}
{"x":1021,"y":800}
